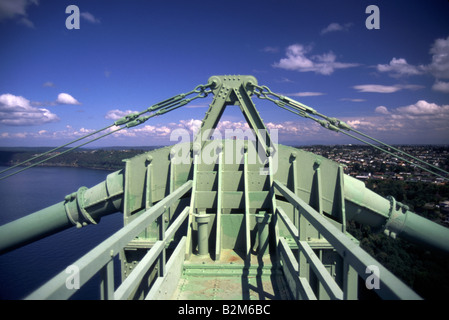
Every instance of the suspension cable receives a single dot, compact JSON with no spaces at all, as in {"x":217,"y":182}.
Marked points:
{"x":54,"y":149}
{"x":127,"y":121}
{"x":337,"y":125}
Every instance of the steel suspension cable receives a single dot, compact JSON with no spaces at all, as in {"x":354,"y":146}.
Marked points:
{"x":330,"y":126}
{"x":129,"y":121}
{"x":60,"y":154}
{"x":54,"y":149}
{"x":337,"y":125}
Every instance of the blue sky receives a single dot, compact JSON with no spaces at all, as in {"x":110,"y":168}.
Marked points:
{"x":58,"y":84}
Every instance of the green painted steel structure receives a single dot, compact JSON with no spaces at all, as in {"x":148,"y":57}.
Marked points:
{"x":265,"y":218}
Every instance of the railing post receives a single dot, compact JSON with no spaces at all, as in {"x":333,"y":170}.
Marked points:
{"x":247,"y":203}
{"x":161,"y":222}
{"x":350,"y":276}
{"x":107,"y":280}
{"x":219,"y":203}
{"x":263,"y":221}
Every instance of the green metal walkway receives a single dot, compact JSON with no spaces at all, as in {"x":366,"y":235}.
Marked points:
{"x":232,"y":278}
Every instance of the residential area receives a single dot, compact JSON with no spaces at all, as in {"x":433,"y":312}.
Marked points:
{"x":365,"y":162}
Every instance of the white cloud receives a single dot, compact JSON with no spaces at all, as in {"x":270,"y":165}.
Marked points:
{"x":439,"y":67}
{"x":376,"y":88}
{"x":117,"y":114}
{"x":421,"y":122}
{"x":441,"y":86}
{"x":336,"y":27}
{"x":18,"y":111}
{"x":386,"y":89}
{"x":298,"y":59}
{"x":16,"y":9}
{"x":423,"y":107}
{"x":65,"y":98}
{"x":193,"y":125}
{"x":89,"y":17}
{"x":400,"y":67}
{"x":382,"y":110}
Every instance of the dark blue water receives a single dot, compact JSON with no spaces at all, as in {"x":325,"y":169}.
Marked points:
{"x":26,"y":269}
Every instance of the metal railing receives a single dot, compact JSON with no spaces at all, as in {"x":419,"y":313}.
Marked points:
{"x":354,"y":257}
{"x":100,"y":259}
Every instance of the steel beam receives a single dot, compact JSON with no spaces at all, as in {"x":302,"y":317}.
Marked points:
{"x":80,"y":208}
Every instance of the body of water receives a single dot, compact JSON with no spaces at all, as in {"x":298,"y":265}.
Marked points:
{"x":24,"y":270}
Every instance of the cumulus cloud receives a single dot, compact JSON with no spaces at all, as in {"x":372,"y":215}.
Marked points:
{"x":69,"y":133}
{"x":193,"y":125}
{"x":298,"y":59}
{"x":382,"y":110}
{"x":438,"y":67}
{"x":17,"y":10}
{"x":400,"y":67}
{"x":421,"y":122}
{"x":117,"y":114}
{"x":441,"y":86}
{"x":65,"y":98}
{"x":18,"y":111}
{"x":423,"y":107}
{"x":336,"y":27}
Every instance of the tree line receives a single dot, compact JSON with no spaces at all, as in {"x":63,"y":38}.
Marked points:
{"x":95,"y":159}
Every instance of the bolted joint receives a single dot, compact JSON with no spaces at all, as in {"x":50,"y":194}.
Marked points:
{"x":396,"y":217}
{"x":74,"y":207}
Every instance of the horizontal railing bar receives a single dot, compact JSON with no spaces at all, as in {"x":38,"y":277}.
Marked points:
{"x":390,"y":286}
{"x":134,"y":278}
{"x":94,"y":260}
{"x":320,"y":270}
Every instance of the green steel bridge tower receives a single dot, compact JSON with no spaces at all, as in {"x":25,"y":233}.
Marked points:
{"x":229,"y":218}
